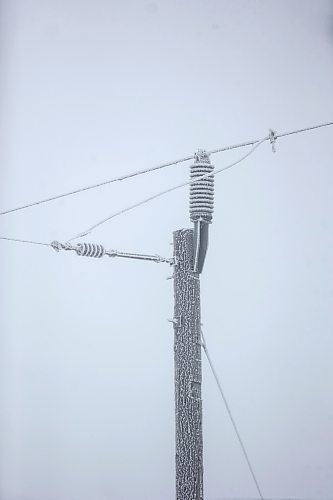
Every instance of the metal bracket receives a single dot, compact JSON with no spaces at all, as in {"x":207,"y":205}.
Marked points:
{"x":272,"y":139}
{"x":177,"y":322}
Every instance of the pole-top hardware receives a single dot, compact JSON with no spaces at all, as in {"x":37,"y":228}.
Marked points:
{"x":272,"y":139}
{"x":97,"y":251}
{"x":201,"y":205}
{"x":201,"y":191}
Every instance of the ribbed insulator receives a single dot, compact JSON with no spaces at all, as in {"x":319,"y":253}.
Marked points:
{"x":90,"y":250}
{"x":202,"y":191}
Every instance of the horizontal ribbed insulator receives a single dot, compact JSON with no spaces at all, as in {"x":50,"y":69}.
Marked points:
{"x":90,"y":250}
{"x":202,"y":190}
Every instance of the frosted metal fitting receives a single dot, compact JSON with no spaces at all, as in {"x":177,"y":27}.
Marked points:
{"x":202,"y":191}
{"x":57,"y":246}
{"x":272,"y":139}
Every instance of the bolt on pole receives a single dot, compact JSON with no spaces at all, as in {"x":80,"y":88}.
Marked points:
{"x":187,"y":359}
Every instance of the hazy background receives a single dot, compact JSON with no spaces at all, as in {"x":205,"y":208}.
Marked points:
{"x":93,"y":89}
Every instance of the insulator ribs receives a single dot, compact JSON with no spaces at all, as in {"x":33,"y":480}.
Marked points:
{"x":90,"y":250}
{"x":202,"y":190}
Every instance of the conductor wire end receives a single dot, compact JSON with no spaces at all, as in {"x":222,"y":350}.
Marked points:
{"x":272,"y":139}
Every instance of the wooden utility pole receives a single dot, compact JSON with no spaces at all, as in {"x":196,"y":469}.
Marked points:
{"x":190,"y":247}
{"x":187,"y":352}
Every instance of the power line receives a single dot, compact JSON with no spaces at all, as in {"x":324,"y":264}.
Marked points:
{"x":277,"y":136}
{"x":255,"y":142}
{"x":25,"y":241}
{"x":93,"y":186}
{"x":157,"y":167}
{"x":166,"y":191}
{"x":204,"y":345}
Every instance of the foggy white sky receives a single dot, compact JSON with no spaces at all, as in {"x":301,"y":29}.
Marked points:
{"x":90,"y":90}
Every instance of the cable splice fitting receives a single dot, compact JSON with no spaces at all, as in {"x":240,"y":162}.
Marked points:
{"x":272,"y":139}
{"x":57,"y":246}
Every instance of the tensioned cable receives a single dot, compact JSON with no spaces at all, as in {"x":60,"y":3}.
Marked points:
{"x":277,"y":136}
{"x":25,"y":241}
{"x":93,"y":186}
{"x":204,"y":345}
{"x":161,"y":193}
{"x":157,"y":167}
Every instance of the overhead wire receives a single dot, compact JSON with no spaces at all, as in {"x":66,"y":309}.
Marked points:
{"x":277,"y":136}
{"x":150,"y":198}
{"x":166,"y":191}
{"x":255,"y":143}
{"x":241,"y":442}
{"x":151,"y":169}
{"x":93,"y":186}
{"x":25,"y":241}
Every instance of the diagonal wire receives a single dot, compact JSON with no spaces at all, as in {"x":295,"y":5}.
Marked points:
{"x":157,"y":167}
{"x":93,"y":186}
{"x":25,"y":241}
{"x":166,"y":191}
{"x":163,"y":165}
{"x":277,"y":136}
{"x":204,"y":345}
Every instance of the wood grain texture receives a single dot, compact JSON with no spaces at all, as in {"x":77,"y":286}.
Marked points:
{"x":187,"y":356}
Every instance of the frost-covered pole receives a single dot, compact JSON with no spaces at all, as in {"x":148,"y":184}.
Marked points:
{"x":187,"y":352}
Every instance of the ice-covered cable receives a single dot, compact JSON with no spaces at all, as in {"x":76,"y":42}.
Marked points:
{"x":25,"y":241}
{"x":166,"y":191}
{"x":157,"y":167}
{"x":204,"y":345}
{"x":277,"y":136}
{"x":99,"y":184}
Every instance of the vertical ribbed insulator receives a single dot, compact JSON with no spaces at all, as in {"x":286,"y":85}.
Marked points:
{"x":202,"y":191}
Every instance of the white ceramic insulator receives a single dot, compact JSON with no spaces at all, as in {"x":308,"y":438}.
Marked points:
{"x":90,"y":250}
{"x":202,"y":191}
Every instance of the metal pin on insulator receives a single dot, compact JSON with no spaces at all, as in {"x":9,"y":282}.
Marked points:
{"x":201,"y":205}
{"x":90,"y":250}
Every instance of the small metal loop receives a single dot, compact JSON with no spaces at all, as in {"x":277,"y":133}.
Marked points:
{"x":79,"y":249}
{"x":67,"y":246}
{"x":177,"y":322}
{"x":111,"y":253}
{"x":272,"y":139}
{"x":56,"y":246}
